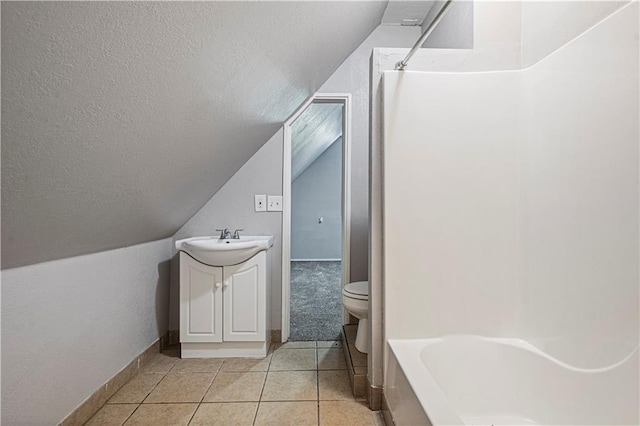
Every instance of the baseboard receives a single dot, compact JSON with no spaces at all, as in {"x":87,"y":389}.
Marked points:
{"x":99,"y":398}
{"x":316,"y":260}
{"x":224,"y":350}
{"x":373,"y":395}
{"x":386,"y":413}
{"x":172,"y":337}
{"x":356,"y":378}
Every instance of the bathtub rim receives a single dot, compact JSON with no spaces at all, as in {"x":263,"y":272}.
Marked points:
{"x":434,"y":402}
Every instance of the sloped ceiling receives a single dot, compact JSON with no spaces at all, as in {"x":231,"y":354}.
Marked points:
{"x":315,"y":130}
{"x":121,"y":119}
{"x":402,"y":12}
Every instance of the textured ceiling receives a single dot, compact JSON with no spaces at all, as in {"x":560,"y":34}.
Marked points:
{"x":312,"y":133}
{"x":121,"y":119}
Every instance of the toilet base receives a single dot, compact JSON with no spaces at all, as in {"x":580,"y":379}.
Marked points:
{"x":362,"y":341}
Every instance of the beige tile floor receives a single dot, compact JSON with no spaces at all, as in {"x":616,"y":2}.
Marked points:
{"x":298,"y":383}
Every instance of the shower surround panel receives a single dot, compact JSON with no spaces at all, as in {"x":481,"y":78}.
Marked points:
{"x":525,"y":223}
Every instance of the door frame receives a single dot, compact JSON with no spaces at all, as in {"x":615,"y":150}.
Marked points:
{"x":345,"y":99}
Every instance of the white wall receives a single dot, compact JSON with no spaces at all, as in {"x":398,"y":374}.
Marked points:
{"x":232,"y":207}
{"x":69,"y":325}
{"x":524,"y":205}
{"x":316,"y":193}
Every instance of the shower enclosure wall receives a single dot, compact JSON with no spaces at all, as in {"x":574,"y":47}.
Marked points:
{"x":523,"y":212}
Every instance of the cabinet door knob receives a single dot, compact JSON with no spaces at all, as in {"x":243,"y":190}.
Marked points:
{"x":218,"y":285}
{"x":226,"y":284}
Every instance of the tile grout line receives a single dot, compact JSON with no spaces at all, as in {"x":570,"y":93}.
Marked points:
{"x":317,"y":386}
{"x":129,"y":416}
{"x":161,"y":403}
{"x":219,"y":369}
{"x":266,"y":374}
{"x":260,"y":400}
{"x":147,"y":395}
{"x":286,"y":400}
{"x":215,"y":374}
{"x":157,"y":384}
{"x":165,"y":374}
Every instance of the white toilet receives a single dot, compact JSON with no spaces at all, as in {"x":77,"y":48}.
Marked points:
{"x":355,"y":299}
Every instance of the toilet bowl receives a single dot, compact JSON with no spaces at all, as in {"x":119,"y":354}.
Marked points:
{"x":355,"y":299}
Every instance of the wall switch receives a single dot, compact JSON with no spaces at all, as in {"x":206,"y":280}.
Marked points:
{"x":274,"y":203}
{"x":260,"y":203}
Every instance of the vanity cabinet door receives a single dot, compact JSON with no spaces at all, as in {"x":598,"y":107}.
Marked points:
{"x":200,"y":301}
{"x":245,"y":300}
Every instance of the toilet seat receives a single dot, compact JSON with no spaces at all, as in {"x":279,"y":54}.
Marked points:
{"x":355,"y":299}
{"x":358,"y":290}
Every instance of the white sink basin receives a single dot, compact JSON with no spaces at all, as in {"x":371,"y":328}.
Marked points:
{"x":216,"y":252}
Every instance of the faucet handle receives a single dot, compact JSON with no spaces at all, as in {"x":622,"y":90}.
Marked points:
{"x":223,"y":233}
{"x":236,"y":234}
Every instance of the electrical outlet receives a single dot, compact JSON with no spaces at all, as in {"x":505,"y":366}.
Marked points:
{"x":274,"y":203}
{"x":260,"y":203}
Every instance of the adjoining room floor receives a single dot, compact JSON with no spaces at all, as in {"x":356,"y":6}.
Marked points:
{"x":316,"y":301}
{"x":298,"y":383}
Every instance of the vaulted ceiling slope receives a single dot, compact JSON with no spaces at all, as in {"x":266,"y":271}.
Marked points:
{"x":121,"y":119}
{"x":312,"y":133}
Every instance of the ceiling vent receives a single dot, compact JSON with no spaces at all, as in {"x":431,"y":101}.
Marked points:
{"x":407,"y":13}
{"x":410,"y":22}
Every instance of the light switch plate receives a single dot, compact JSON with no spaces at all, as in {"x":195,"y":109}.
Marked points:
{"x":274,"y":203}
{"x":260,"y":203}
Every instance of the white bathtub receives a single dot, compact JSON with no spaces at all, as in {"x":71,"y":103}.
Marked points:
{"x":472,"y":380}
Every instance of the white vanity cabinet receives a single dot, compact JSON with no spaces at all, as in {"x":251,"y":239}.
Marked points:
{"x":244,"y":300}
{"x":200,"y":301}
{"x":223,"y":310}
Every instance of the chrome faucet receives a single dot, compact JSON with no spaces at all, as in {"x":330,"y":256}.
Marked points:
{"x":225,"y":234}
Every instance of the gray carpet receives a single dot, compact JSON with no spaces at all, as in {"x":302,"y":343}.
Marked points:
{"x":316,"y":301}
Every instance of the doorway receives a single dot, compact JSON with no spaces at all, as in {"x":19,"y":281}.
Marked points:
{"x":316,"y":214}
